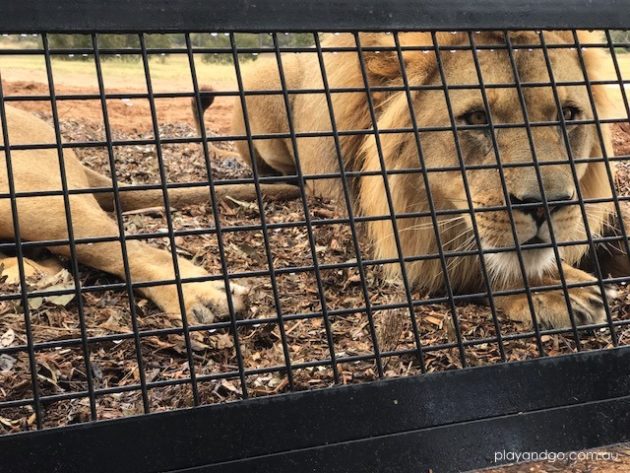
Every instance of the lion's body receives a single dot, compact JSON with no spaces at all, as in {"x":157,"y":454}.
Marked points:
{"x":368,"y":145}
{"x":310,"y":114}
{"x":364,"y":151}
{"x":43,"y":218}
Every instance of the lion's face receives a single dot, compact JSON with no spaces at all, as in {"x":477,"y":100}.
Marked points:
{"x":518,"y":149}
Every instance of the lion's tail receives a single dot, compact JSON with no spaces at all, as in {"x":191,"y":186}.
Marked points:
{"x":206,"y":99}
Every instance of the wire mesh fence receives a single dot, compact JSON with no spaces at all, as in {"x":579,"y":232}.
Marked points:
{"x":223,"y":216}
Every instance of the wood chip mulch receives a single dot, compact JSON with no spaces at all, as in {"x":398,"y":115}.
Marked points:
{"x":61,"y":370}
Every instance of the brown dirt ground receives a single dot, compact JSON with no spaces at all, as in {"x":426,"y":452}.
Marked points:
{"x":129,"y":115}
{"x":61,"y":371}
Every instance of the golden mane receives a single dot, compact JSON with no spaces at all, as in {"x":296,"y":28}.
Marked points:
{"x":417,"y":236}
{"x":395,"y":148}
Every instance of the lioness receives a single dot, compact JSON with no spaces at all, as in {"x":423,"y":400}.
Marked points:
{"x":43,"y":218}
{"x":562,"y":181}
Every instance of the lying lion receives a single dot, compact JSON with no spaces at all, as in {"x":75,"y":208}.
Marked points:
{"x":43,"y":218}
{"x":562,"y":182}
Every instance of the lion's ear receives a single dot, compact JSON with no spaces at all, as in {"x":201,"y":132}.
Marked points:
{"x":384,"y":66}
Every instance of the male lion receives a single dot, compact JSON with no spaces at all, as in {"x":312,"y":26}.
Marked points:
{"x":562,"y":182}
{"x":43,"y":218}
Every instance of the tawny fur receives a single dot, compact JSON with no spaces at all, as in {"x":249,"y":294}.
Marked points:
{"x":363,"y":152}
{"x":44,"y":219}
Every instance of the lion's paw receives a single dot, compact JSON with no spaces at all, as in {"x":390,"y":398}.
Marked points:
{"x":588,"y":306}
{"x":209,"y":302}
{"x":206,"y":302}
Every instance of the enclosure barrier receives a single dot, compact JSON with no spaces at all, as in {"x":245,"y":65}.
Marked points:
{"x":515,"y":174}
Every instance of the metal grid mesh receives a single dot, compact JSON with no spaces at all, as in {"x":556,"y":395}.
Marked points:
{"x":327,"y":312}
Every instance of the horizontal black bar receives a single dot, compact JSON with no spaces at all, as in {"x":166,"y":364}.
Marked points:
{"x":131,"y":51}
{"x":325,"y":134}
{"x":334,"y":266}
{"x":452,"y":448}
{"x":340,"y":90}
{"x":70,"y":342}
{"x":446,"y":421}
{"x":124,"y":16}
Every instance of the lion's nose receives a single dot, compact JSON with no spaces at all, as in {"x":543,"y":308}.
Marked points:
{"x":535,"y":207}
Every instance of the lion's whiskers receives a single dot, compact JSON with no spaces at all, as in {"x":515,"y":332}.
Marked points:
{"x":443,"y":224}
{"x":476,"y":204}
{"x":597,"y":215}
{"x":468,"y":231}
{"x":455,"y":261}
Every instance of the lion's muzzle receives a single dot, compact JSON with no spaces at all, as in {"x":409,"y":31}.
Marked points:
{"x":534,"y":207}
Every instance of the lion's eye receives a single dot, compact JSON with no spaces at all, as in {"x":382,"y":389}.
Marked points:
{"x":477,"y":117}
{"x":570,"y":113}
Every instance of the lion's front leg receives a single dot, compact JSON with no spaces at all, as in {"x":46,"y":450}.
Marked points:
{"x":204,"y":302}
{"x":587,"y":303}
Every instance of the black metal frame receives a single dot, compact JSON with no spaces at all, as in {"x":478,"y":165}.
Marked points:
{"x":447,"y":421}
{"x":33,"y":16}
{"x":452,"y":421}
